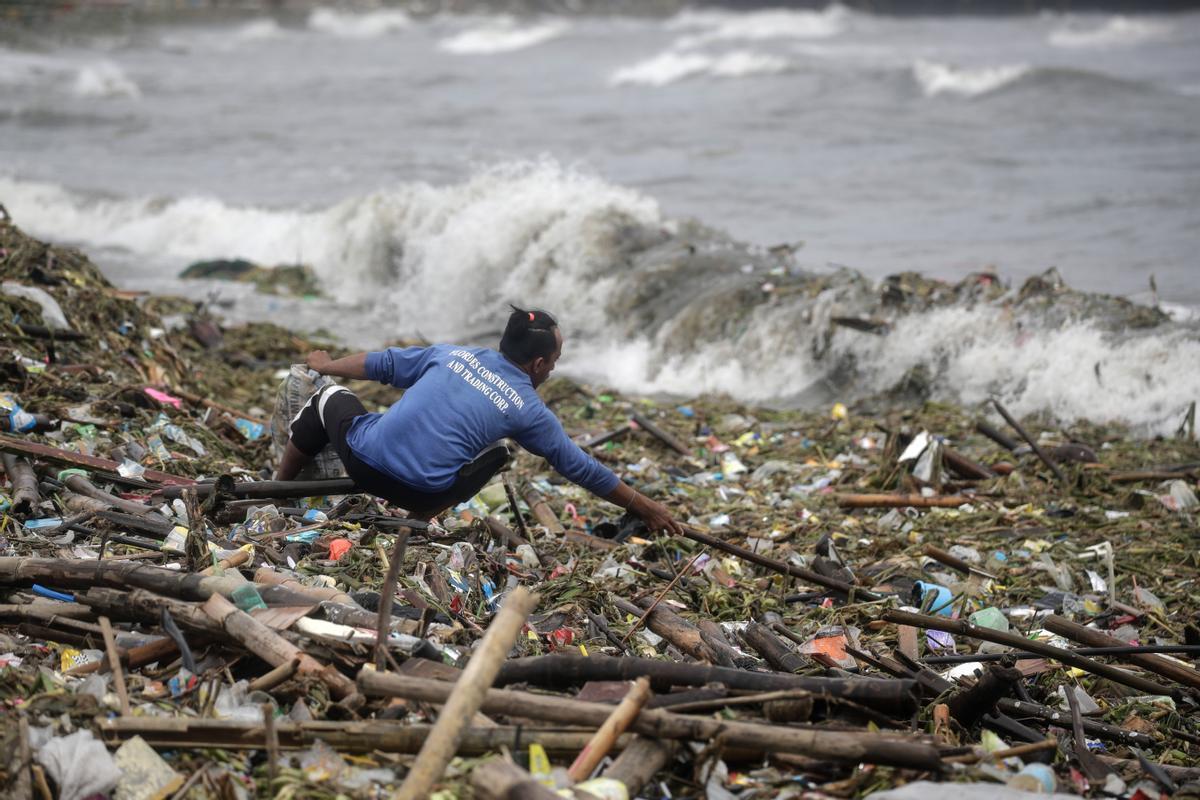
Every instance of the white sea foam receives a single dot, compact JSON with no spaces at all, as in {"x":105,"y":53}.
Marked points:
{"x":443,"y":259}
{"x":104,"y":79}
{"x":936,"y":78}
{"x":504,"y":37}
{"x":671,"y":67}
{"x":713,"y":26}
{"x":367,"y":25}
{"x":1116,"y":32}
{"x":432,"y":257}
{"x":1076,"y":372}
{"x":258,"y":30}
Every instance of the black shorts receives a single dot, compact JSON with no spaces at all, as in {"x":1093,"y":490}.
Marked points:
{"x":326,"y":419}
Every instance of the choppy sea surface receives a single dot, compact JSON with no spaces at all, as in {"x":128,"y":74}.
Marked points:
{"x":636,"y":175}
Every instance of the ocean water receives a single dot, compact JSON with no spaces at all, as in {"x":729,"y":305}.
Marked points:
{"x":696,"y":195}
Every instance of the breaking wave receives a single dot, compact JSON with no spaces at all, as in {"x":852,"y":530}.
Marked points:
{"x":258,"y":30}
{"x":1116,"y":32}
{"x":349,"y":25}
{"x":652,"y":304}
{"x":104,"y":79}
{"x":501,"y":38}
{"x":671,"y":67}
{"x":936,"y":78}
{"x":704,"y":27}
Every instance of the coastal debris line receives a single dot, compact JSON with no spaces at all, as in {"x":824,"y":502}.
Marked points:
{"x":864,"y":597}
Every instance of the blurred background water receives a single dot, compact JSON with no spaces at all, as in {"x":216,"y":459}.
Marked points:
{"x":614,"y":167}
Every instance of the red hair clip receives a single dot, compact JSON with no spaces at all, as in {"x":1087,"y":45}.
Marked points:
{"x":531,"y":316}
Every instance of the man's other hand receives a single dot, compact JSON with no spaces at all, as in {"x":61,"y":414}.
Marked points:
{"x":319,"y":361}
{"x":656,"y":516}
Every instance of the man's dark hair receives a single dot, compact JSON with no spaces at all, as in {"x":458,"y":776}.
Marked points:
{"x":528,"y":335}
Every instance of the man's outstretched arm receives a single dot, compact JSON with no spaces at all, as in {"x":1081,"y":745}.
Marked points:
{"x":354,"y":367}
{"x":656,"y":516}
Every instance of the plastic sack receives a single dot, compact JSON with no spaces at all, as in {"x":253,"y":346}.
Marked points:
{"x":80,"y":765}
{"x":293,"y":392}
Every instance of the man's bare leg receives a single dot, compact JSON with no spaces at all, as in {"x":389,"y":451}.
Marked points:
{"x":290,"y":464}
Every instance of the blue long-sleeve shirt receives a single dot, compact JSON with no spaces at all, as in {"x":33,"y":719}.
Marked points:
{"x":458,"y":401}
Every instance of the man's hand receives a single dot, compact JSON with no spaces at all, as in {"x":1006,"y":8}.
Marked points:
{"x":656,"y":516}
{"x":319,"y":361}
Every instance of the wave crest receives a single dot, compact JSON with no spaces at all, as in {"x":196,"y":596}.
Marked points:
{"x":1116,"y":32}
{"x":349,"y":25}
{"x":505,"y":38}
{"x":671,"y":67}
{"x":936,"y":78}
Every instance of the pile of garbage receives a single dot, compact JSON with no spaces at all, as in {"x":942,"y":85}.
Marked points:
{"x":932,"y":601}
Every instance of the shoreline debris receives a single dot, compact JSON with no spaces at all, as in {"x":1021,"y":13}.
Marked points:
{"x":903,"y":600}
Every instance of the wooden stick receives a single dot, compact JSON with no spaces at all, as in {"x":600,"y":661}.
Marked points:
{"x":900,"y":501}
{"x":996,"y":436}
{"x":273,"y":648}
{"x":972,"y":470}
{"x":204,"y":401}
{"x":841,"y":746}
{"x":20,"y":763}
{"x":669,"y":439}
{"x":954,"y":562}
{"x":114,"y":663}
{"x":605,"y":438}
{"x":964,"y":628}
{"x":1058,"y":473}
{"x":541,"y":510}
{"x":268,"y":714}
{"x":640,"y":760}
{"x":358,"y":736}
{"x":1172,"y":670}
{"x":24,"y":483}
{"x":277,"y":675}
{"x":687,"y":568}
{"x":235,"y":560}
{"x":767,"y":644}
{"x":134,"y":657}
{"x":465,"y":697}
{"x":674,"y":628}
{"x":1000,"y":755}
{"x":69,"y":457}
{"x":616,"y":724}
{"x":259,"y":489}
{"x":81,"y":485}
{"x":387,"y":596}
{"x":779,"y":566}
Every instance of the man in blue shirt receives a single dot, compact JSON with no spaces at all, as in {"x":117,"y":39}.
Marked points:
{"x":439,"y":444}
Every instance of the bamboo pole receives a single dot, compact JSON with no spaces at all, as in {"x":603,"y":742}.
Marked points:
{"x":669,"y":439}
{"x":357,"y":736}
{"x":561,"y":671}
{"x":272,"y":648}
{"x":964,"y":628}
{"x":900,"y":501}
{"x":841,"y":746}
{"x":114,"y":664}
{"x":616,"y":724}
{"x":387,"y":597}
{"x":464,"y":698}
{"x":640,"y":761}
{"x":1173,"y":670}
{"x":1058,"y":473}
